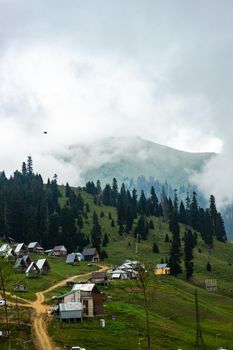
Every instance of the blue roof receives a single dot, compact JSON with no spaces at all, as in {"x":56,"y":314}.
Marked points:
{"x":161,"y":266}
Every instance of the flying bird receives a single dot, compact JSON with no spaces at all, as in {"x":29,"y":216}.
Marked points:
{"x":45,"y":132}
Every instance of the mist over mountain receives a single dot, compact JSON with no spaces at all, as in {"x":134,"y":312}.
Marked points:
{"x":132,"y":157}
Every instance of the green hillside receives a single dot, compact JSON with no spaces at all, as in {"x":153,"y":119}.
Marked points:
{"x":171,"y":300}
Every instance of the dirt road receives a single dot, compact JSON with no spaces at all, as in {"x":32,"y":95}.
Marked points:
{"x":40,"y":318}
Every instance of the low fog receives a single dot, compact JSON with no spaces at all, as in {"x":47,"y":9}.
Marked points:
{"x":87,"y":70}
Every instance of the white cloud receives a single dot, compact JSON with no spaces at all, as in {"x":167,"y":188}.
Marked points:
{"x":92,"y":69}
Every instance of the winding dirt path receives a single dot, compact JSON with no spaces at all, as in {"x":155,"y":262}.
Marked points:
{"x":40,"y":318}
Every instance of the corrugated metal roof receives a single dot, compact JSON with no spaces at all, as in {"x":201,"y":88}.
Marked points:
{"x":71,"y":306}
{"x":71,"y":258}
{"x":161,"y":266}
{"x":85,"y":287}
{"x":5,"y":247}
{"x":32,"y":266}
{"x":25,"y":258}
{"x":89,"y":251}
{"x":40,"y":263}
{"x":19,"y":247}
{"x":59,"y":247}
{"x":98,"y":274}
{"x":32,"y":244}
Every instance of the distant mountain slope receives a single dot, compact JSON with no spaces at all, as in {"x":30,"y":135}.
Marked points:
{"x":126,"y":158}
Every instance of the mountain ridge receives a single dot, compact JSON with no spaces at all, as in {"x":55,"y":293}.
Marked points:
{"x":126,"y":158}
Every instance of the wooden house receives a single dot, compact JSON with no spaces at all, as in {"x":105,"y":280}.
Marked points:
{"x":90,"y":297}
{"x":43,"y":266}
{"x":4,"y":249}
{"x":99,"y":278}
{"x":162,"y":269}
{"x":59,"y":250}
{"x":34,"y":247}
{"x":91,"y":254}
{"x":7,"y":252}
{"x":119,"y":274}
{"x":32,"y":270}
{"x":22,"y":263}
{"x":21,"y":249}
{"x":20,"y":287}
{"x":72,"y":258}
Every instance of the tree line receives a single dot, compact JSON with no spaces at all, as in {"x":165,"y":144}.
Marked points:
{"x":134,"y":216}
{"x":30,"y":210}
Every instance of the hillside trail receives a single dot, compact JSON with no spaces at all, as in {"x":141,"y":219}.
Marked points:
{"x":40,"y":318}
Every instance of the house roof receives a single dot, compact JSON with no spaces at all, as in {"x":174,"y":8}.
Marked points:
{"x":99,"y":275}
{"x":71,"y":257}
{"x":32,"y":245}
{"x":19,"y":247}
{"x":41,"y":262}
{"x":89,"y":251}
{"x":71,"y":306}
{"x":25,"y":258}
{"x":59,"y":247}
{"x":32,"y":266}
{"x":118,"y":271}
{"x":84,"y":287}
{"x":161,"y":266}
{"x":5,"y":247}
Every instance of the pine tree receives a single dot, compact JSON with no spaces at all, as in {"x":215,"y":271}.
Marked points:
{"x":182,"y":213}
{"x":29,"y":166}
{"x":194,"y":211}
{"x":142,"y":204}
{"x":175,"y":252}
{"x":220,"y":229}
{"x":24,"y":169}
{"x":121,"y":230}
{"x":164,"y":205}
{"x":80,"y":221}
{"x":142,"y":227}
{"x":155,"y":248}
{"x":114,"y":192}
{"x":105,"y":240}
{"x":154,"y":206}
{"x":96,"y":232}
{"x":151,"y":225}
{"x":122,"y":205}
{"x":67,"y":190}
{"x":107,"y":195}
{"x":188,"y":255}
{"x":208,"y":267}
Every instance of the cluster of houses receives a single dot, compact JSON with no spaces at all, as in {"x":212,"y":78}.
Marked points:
{"x":129,"y":270}
{"x":12,"y":251}
{"x":17,"y":253}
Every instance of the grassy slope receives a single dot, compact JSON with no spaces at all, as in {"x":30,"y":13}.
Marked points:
{"x":171,"y":299}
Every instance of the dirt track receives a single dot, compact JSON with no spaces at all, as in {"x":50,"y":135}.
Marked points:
{"x":40,"y":318}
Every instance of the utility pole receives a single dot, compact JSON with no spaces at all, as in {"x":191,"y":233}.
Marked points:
{"x":199,"y":343}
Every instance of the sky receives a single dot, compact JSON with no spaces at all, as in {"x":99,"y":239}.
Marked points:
{"x":87,"y":69}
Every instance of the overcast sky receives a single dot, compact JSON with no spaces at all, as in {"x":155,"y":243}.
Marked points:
{"x":83,"y":70}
